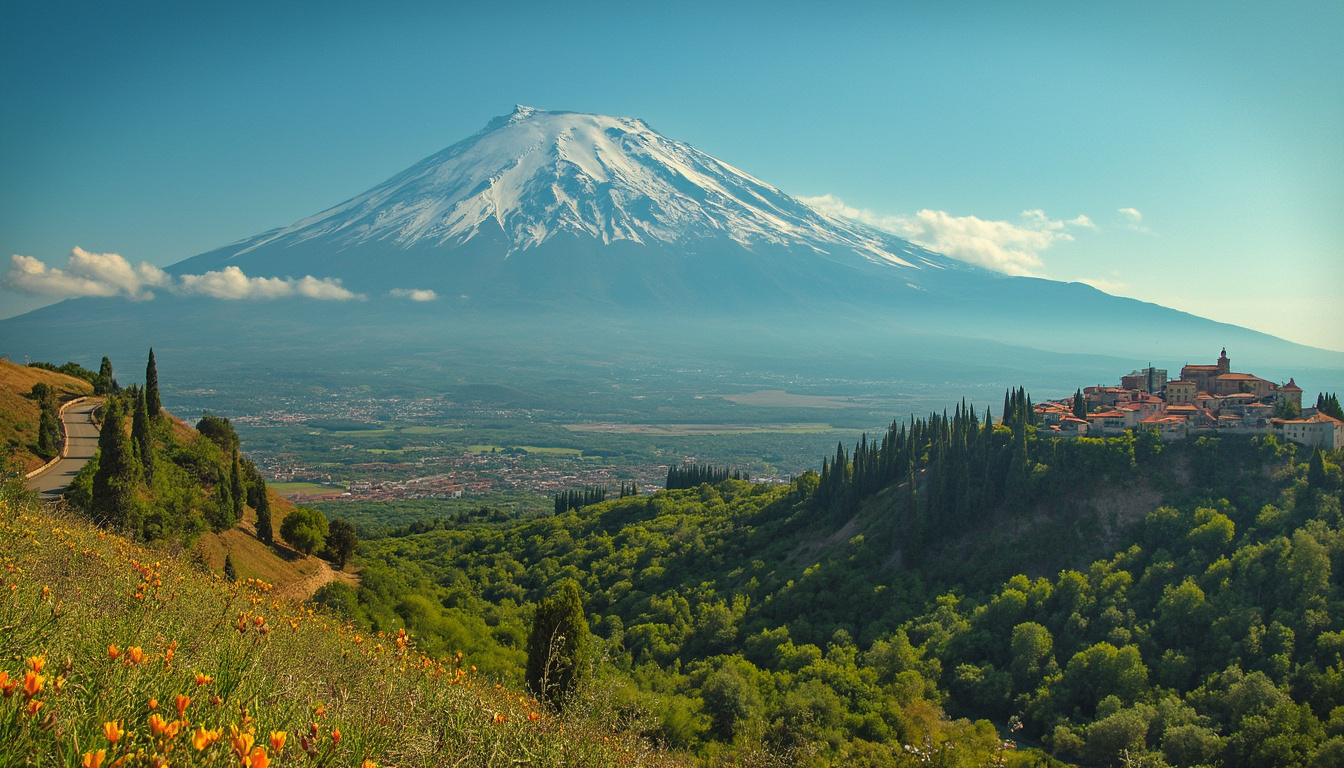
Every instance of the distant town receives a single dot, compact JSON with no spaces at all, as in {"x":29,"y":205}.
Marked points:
{"x":1206,"y":399}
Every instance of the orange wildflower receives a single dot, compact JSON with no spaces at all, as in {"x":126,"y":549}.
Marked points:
{"x":257,"y":758}
{"x":258,"y":620}
{"x":113,"y":652}
{"x":336,"y":736}
{"x":368,"y":764}
{"x":33,"y":706}
{"x":93,"y":759}
{"x":32,"y":684}
{"x":182,"y":703}
{"x":499,"y":718}
{"x":36,"y":663}
{"x":278,"y":740}
{"x":241,"y":741}
{"x":157,"y":726}
{"x":202,"y":738}
{"x":153,"y":703}
{"x":242,"y":623}
{"x":113,"y":731}
{"x":533,"y":717}
{"x":203,"y":679}
{"x":134,"y":655}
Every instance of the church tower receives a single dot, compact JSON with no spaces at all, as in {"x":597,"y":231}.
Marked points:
{"x":1224,"y":365}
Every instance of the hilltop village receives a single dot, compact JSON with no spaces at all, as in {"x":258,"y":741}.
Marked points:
{"x":1205,"y":399}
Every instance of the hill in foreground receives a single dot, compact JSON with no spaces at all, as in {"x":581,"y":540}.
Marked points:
{"x":121,"y":655}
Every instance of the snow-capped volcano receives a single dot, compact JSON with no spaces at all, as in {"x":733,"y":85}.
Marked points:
{"x":581,"y":237}
{"x":535,"y":174}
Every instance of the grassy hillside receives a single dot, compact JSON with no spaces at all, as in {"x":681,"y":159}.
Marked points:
{"x":119,"y":655}
{"x":19,"y":412}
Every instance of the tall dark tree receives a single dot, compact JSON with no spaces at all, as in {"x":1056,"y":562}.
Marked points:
{"x":1316,"y":476}
{"x":115,"y":481}
{"x":265,"y":528}
{"x":341,"y":542}
{"x":220,"y":512}
{"x":140,"y":434}
{"x":559,"y":646}
{"x":1079,"y":404}
{"x":152,"y":402}
{"x":106,"y":383}
{"x":1328,"y":403}
{"x":230,"y":572}
{"x":49,"y":439}
{"x":237,"y":492}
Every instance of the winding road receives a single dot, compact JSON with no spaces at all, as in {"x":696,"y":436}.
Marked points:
{"x":81,"y":442}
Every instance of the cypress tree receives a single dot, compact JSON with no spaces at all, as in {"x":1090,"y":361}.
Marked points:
{"x":152,"y":402}
{"x":106,"y":382}
{"x":140,"y":433}
{"x":1079,"y":405}
{"x":114,"y":482}
{"x":237,"y":493}
{"x":1316,"y":476}
{"x":559,"y":646}
{"x":220,"y":512}
{"x":49,"y":440}
{"x":265,"y":531}
{"x":230,"y":573}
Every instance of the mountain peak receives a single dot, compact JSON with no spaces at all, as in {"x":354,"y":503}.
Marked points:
{"x":535,"y":174}
{"x":521,"y":113}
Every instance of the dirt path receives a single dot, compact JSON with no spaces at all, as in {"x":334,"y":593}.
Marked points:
{"x":305,"y":588}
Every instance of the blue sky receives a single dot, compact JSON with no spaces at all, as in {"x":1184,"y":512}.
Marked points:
{"x":1202,"y":142}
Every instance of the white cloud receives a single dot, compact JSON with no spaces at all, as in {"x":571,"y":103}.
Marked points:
{"x":1004,"y":246}
{"x":108,"y":274}
{"x":1132,"y":219}
{"x":85,"y":274}
{"x":232,"y":283}
{"x":414,"y":294}
{"x":830,"y":204}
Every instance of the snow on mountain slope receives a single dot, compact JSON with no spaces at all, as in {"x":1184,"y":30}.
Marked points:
{"x":538,"y":174}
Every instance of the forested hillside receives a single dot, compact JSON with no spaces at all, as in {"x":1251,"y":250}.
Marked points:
{"x":1176,"y":602}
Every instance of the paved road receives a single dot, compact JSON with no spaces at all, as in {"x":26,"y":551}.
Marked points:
{"x":81,"y":442}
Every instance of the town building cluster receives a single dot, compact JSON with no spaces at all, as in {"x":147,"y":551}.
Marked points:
{"x":1204,"y":399}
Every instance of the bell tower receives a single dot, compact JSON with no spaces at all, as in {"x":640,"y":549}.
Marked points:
{"x":1224,"y":365}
